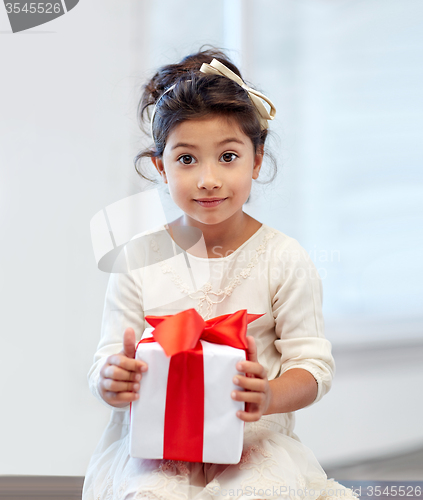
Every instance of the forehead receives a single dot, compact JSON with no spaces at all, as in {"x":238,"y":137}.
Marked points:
{"x":211,"y":130}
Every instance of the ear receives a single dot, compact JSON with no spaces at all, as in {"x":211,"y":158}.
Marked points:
{"x":158,"y":163}
{"x":258,"y":160}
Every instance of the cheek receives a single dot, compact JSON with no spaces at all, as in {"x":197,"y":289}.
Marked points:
{"x":177,"y":184}
{"x":244,"y":184}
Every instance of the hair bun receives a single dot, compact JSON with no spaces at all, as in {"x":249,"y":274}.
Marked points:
{"x":168,"y":75}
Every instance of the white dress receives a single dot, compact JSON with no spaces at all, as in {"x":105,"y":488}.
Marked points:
{"x":270,"y":273}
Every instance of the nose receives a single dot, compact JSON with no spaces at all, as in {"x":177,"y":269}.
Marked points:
{"x":209,"y":177}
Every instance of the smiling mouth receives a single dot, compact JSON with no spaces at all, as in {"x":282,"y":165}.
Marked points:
{"x":212,"y":202}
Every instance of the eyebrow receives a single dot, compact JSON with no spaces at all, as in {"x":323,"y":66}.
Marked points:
{"x":221,"y":143}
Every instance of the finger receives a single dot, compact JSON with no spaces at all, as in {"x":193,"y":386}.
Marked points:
{"x":121,"y":397}
{"x":132,"y":365}
{"x":250,"y":384}
{"x":248,"y":397}
{"x":117,"y":373}
{"x":252,"y":349}
{"x":252,"y":367}
{"x":248,"y":416}
{"x":116,"y":386}
{"x":129,"y":343}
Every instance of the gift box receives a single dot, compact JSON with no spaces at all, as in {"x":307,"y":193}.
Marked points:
{"x":185,"y":410}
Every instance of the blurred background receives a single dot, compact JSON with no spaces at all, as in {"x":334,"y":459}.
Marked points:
{"x":345,"y":76}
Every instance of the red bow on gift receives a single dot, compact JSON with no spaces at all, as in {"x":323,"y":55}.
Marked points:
{"x":180,"y":332}
{"x":179,"y":335}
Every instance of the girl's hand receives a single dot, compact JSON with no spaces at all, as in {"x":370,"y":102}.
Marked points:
{"x":121,"y":374}
{"x":256,"y":392}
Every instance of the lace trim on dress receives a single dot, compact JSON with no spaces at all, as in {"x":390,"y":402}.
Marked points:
{"x":203,"y":295}
{"x":172,"y":479}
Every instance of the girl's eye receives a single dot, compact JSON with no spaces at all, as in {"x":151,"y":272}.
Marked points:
{"x":228,"y":157}
{"x":186,"y":159}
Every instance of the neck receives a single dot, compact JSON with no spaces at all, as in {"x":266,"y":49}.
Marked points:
{"x":225,"y":237}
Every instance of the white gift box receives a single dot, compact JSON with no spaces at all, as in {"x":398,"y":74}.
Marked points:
{"x":222,"y":431}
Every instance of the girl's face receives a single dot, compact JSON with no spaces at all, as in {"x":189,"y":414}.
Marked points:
{"x":209,"y":164}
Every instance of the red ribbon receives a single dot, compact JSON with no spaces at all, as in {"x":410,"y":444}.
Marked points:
{"x":179,"y":335}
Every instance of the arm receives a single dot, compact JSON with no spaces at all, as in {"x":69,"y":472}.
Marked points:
{"x":122,"y":309}
{"x":292,"y":391}
{"x":299,"y":324}
{"x":307,"y":364}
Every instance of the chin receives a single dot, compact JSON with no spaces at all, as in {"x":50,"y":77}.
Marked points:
{"x":209,"y":221}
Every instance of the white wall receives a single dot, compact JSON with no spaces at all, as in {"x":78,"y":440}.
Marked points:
{"x":65,"y":154}
{"x":345,"y":77}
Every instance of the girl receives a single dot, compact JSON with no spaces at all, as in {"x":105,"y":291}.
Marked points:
{"x":209,"y":131}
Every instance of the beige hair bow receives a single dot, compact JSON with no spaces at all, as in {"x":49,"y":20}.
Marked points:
{"x":216,"y":67}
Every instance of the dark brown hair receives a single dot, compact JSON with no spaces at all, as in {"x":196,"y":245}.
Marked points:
{"x":195,"y":95}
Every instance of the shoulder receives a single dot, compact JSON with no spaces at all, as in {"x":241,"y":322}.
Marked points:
{"x":282,"y":246}
{"x":139,"y":248}
{"x":154,"y":231}
{"x":288,"y":261}
{"x":125,"y":260}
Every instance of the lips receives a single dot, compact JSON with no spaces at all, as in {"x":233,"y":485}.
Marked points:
{"x":210,"y":202}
